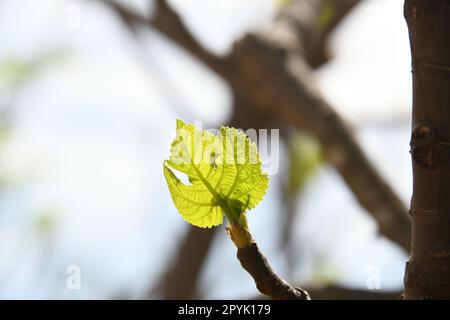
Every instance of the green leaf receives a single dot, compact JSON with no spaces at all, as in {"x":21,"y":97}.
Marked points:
{"x":326,"y":14}
{"x":224,"y":172}
{"x":305,"y":158}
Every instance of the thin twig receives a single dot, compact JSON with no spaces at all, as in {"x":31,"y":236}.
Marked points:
{"x":256,"y":264}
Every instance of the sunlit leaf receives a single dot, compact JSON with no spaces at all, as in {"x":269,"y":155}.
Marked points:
{"x":224,"y":172}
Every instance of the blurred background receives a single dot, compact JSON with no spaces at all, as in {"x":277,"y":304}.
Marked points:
{"x":87,"y":112}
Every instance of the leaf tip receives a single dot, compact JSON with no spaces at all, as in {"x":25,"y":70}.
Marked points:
{"x":180,"y":124}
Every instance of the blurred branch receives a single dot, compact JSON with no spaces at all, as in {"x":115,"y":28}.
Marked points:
{"x":180,"y":281}
{"x":170,"y":24}
{"x":311,"y":22}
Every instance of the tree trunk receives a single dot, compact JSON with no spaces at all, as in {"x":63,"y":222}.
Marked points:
{"x":428,"y":270}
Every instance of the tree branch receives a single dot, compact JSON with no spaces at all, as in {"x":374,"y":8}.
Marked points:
{"x":181,"y":278}
{"x":266,"y":280}
{"x":167,"y":21}
{"x":256,"y":264}
{"x":312,"y":22}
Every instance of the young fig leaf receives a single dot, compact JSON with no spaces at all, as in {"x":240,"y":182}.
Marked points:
{"x":224,"y":172}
